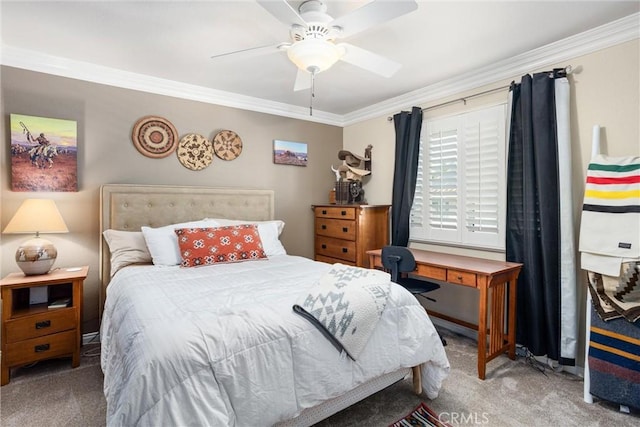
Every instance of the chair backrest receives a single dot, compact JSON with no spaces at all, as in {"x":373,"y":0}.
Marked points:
{"x":397,"y":259}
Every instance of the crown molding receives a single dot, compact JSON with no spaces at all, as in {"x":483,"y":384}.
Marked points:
{"x":64,"y":67}
{"x":613,"y":33}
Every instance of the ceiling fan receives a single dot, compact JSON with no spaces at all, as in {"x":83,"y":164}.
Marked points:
{"x":313,"y":32}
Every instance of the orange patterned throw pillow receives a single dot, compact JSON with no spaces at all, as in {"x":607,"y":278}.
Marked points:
{"x":207,"y":246}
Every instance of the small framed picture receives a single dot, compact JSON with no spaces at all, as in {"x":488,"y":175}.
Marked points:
{"x":44,"y":154}
{"x":289,"y":153}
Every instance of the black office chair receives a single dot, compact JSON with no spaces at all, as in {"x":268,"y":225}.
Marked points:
{"x":398,"y":260}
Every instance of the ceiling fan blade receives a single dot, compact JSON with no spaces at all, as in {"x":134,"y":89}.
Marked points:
{"x":303,"y":80}
{"x":368,"y":60}
{"x":283,"y":12}
{"x":373,"y":13}
{"x":253,"y":51}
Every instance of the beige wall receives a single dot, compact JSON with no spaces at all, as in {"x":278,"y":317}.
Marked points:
{"x":105,"y":117}
{"x":605,"y":91}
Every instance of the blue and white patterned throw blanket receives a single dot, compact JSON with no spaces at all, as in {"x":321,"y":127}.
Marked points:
{"x":345,"y":305}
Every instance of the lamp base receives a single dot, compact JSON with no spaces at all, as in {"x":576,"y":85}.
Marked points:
{"x":36,"y":256}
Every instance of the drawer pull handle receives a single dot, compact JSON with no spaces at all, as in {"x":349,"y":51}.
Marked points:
{"x":324,"y":227}
{"x":43,"y":324}
{"x":343,"y":213}
{"x":345,"y":229}
{"x":324,"y":246}
{"x":460,"y":278}
{"x":42,"y":347}
{"x":324,"y":212}
{"x":345,"y":250}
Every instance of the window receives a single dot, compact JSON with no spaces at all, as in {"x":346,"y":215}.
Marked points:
{"x":460,"y":190}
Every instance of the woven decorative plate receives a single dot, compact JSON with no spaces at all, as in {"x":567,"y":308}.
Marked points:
{"x":195,"y":152}
{"x":227,"y":145}
{"x":154,"y":137}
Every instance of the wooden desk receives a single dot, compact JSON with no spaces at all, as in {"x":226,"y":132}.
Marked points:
{"x":491,"y":278}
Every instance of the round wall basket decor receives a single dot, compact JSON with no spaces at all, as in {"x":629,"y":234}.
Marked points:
{"x":154,"y":137}
{"x":227,"y":145}
{"x":195,"y":152}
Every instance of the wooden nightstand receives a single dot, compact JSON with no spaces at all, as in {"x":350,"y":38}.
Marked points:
{"x":35,"y":331}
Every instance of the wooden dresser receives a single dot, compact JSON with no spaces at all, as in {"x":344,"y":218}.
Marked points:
{"x":344,"y":233}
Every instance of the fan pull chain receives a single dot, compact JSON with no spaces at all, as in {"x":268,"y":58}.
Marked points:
{"x":313,"y":93}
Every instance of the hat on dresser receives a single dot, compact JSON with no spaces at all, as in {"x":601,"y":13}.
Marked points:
{"x":351,"y":159}
{"x":351,"y":173}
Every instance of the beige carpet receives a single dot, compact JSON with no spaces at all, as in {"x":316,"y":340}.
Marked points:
{"x":514,"y":394}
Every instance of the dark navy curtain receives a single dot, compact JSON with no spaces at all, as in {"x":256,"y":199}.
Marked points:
{"x":533,"y":212}
{"x":408,"y":126}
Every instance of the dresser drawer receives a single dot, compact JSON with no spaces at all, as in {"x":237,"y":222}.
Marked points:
{"x":37,"y":325}
{"x":337,"y":228}
{"x":461,"y":277}
{"x":335,"y":212}
{"x":336,"y":248}
{"x":63,"y":343}
{"x":329,"y":260}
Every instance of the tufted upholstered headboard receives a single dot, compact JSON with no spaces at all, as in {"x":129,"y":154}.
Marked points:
{"x":128,"y":207}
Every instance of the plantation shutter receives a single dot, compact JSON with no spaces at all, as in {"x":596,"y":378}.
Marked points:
{"x":481,"y":176}
{"x":417,"y":209}
{"x":460,"y":188}
{"x":443,"y":179}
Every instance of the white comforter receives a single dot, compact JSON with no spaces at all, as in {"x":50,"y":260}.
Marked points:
{"x":221,"y":345}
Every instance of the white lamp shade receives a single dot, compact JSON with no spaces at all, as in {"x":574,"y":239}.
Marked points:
{"x":34,"y":216}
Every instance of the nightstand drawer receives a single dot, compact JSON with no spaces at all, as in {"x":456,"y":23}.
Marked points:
{"x":335,"y":212}
{"x":336,"y":248}
{"x":461,"y":277}
{"x":35,"y":349}
{"x":37,"y":325}
{"x":336,"y":228}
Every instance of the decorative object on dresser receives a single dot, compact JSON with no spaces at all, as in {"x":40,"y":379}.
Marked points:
{"x":348,"y":186}
{"x":35,"y":216}
{"x":50,"y":329}
{"x":43,"y":154}
{"x":154,"y":137}
{"x":344,"y":234}
{"x":195,"y":152}
{"x":227,"y":145}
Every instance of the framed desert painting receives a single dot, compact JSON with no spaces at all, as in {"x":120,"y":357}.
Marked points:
{"x":44,"y":154}
{"x":289,"y":153}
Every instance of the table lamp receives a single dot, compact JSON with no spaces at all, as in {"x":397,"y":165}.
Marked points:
{"x":37,"y":255}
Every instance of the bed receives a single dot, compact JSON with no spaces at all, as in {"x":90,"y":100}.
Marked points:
{"x":220,"y":344}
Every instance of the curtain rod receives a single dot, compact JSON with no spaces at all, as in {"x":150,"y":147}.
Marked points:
{"x":567,"y":70}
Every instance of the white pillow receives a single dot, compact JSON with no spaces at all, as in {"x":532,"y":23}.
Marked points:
{"x":163,"y":242}
{"x":126,"y":247}
{"x":269,"y":233}
{"x":224,"y":221}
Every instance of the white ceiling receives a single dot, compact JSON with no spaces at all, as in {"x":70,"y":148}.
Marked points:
{"x":174,"y":40}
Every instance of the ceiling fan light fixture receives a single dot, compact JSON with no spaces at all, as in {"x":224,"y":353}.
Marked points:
{"x":314,"y":55}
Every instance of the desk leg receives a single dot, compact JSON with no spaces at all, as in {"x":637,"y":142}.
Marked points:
{"x":482,"y":328}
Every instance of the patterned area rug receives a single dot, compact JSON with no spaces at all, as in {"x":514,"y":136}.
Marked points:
{"x":422,"y":415}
